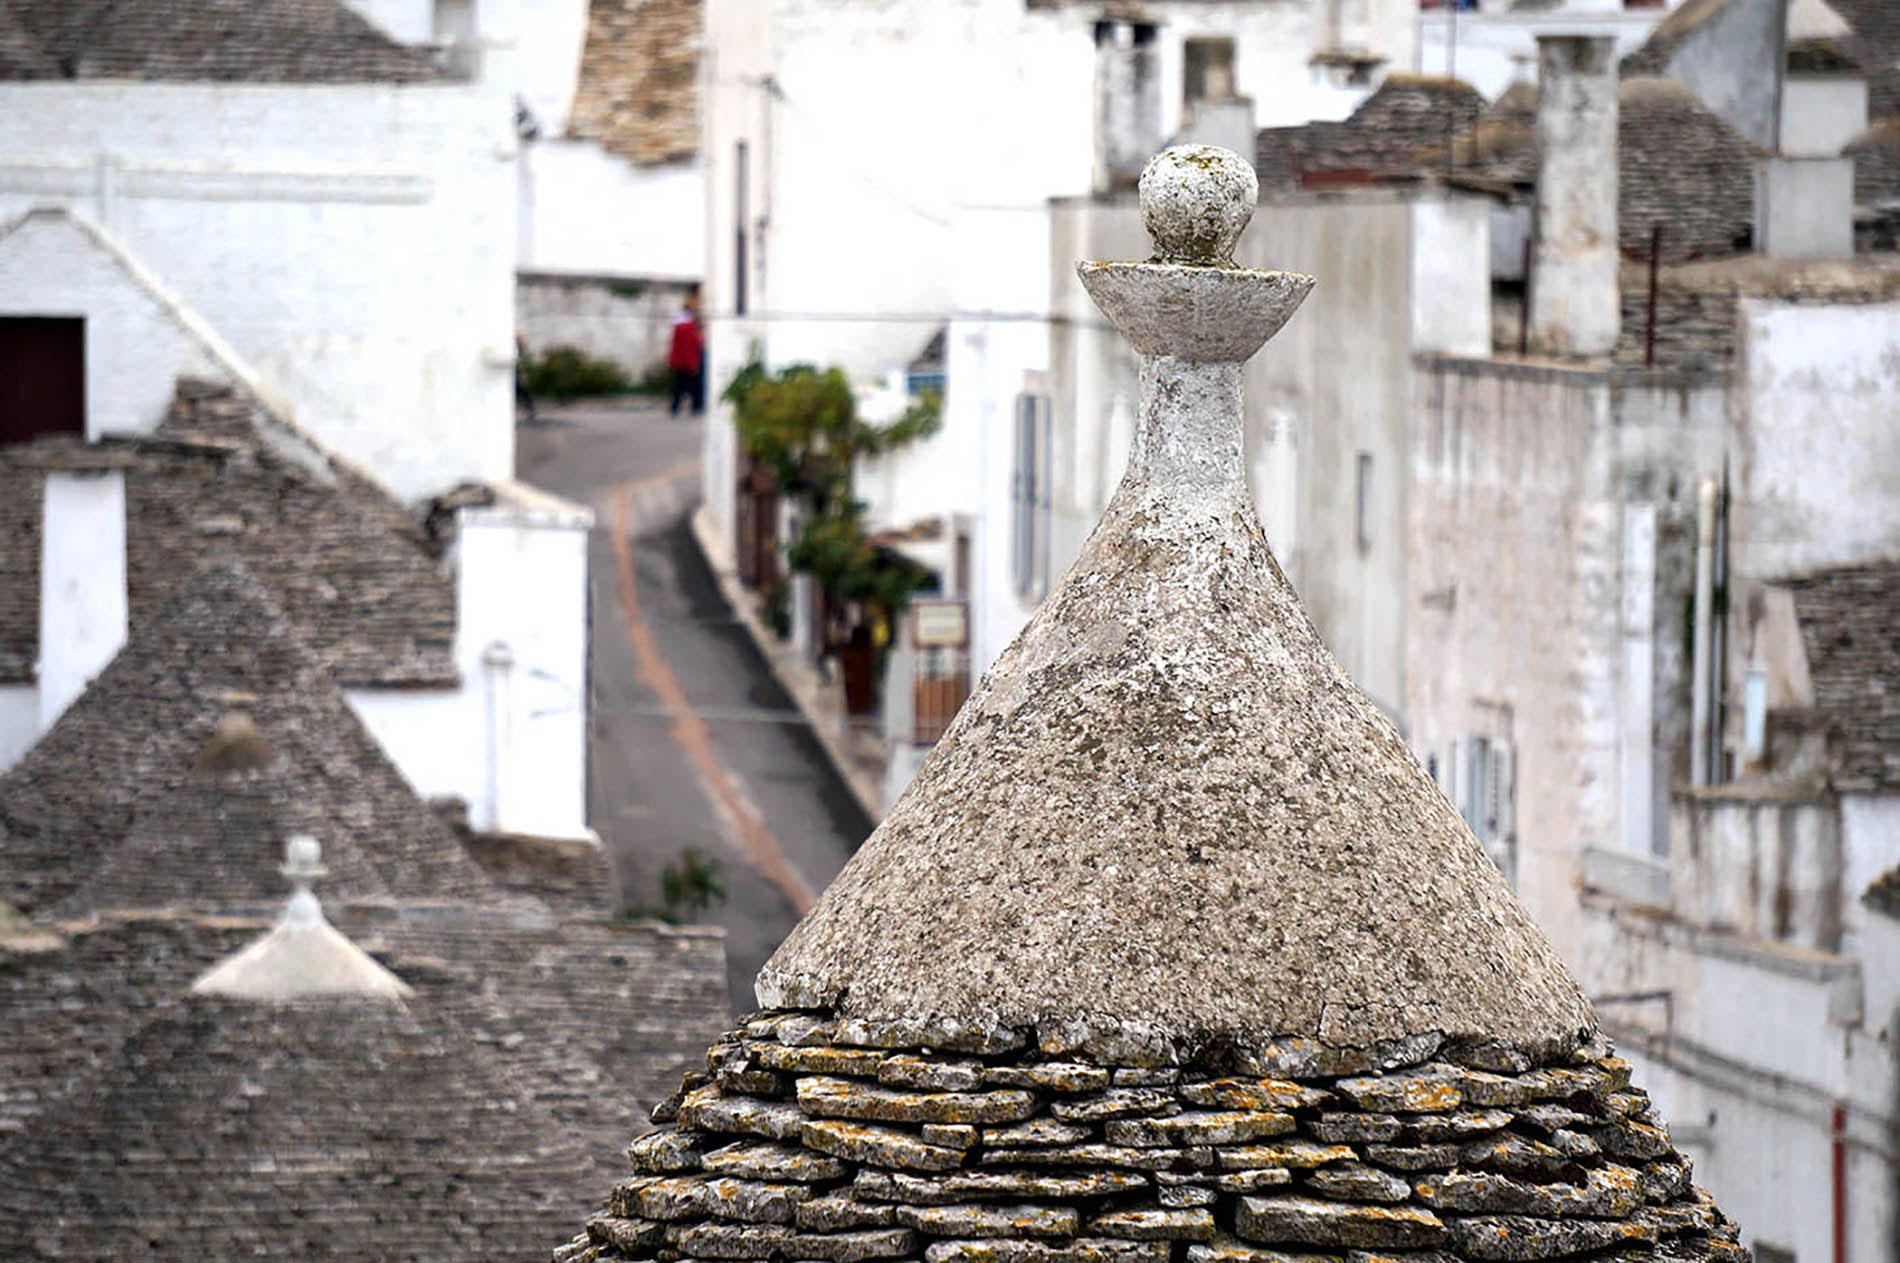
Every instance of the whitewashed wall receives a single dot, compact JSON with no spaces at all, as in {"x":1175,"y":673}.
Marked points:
{"x":1820,"y":461}
{"x":136,"y":345}
{"x":19,"y":721}
{"x":82,"y":584}
{"x":511,"y":741}
{"x":583,"y":210}
{"x":353,"y":243}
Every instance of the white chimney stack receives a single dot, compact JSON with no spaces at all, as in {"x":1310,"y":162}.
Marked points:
{"x":1576,"y":309}
{"x":1127,"y":101}
{"x":82,"y":583}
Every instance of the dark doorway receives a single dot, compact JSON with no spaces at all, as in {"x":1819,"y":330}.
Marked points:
{"x":42,"y":377}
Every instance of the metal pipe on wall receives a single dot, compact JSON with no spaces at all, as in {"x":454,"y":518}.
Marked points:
{"x":1702,"y":653}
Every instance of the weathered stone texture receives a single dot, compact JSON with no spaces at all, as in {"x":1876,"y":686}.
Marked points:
{"x":1135,"y":1166}
{"x":639,"y":80}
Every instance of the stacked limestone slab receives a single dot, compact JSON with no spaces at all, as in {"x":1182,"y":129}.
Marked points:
{"x":806,"y":1141}
{"x":1171,"y":953}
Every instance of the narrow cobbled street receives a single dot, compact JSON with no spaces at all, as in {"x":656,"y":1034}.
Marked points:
{"x":695,"y":745}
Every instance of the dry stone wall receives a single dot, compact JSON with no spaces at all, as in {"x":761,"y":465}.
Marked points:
{"x":810,"y":1139}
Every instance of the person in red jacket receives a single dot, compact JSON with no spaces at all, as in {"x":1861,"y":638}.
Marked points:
{"x":687,"y":357}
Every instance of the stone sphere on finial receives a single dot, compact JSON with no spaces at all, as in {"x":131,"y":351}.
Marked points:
{"x":1195,"y":200}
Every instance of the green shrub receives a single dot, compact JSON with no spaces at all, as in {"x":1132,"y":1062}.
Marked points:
{"x":566,"y":372}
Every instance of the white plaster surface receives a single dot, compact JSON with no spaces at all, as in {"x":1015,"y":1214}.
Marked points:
{"x":1575,"y":306}
{"x":353,"y":243}
{"x":521,"y":595}
{"x":1804,"y":208}
{"x":82,"y":584}
{"x":587,"y":211}
{"x":1821,"y":114}
{"x":19,"y":721}
{"x":136,"y":347}
{"x":1820,"y":455}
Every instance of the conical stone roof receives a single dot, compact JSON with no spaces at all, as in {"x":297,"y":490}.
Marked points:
{"x":116,"y":807}
{"x":1172,"y":953}
{"x":1167,"y":814}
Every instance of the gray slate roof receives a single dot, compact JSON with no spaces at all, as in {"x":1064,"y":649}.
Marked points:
{"x":315,"y":1129}
{"x":1405,"y":114}
{"x":1850,"y":626}
{"x":356,"y":572}
{"x":1875,"y":48}
{"x":107,"y":796}
{"x":251,"y":41}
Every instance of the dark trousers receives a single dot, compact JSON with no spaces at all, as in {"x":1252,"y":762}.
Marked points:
{"x":687,"y":385}
{"x":522,"y":398}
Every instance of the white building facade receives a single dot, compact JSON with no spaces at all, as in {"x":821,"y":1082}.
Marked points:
{"x":341,"y":250}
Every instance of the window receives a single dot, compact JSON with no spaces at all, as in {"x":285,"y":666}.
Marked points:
{"x":1208,"y":70}
{"x":42,"y":377}
{"x":1486,"y":795}
{"x":740,"y":213}
{"x":1029,"y":544}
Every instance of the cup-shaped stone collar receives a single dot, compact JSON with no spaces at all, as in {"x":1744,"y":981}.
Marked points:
{"x":1210,"y":315}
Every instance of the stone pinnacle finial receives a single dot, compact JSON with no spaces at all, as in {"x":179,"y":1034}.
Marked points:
{"x":1191,"y":301}
{"x":303,"y":955}
{"x":1195,"y":200}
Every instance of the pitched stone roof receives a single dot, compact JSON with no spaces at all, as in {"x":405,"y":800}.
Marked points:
{"x":332,"y":1128}
{"x":1874,"y":44}
{"x":1876,"y":155}
{"x":252,"y":41}
{"x":22,"y":56}
{"x":639,"y":79}
{"x":107,"y":801}
{"x":1679,"y":165}
{"x":1405,"y":114}
{"x":355,"y":571}
{"x":1850,"y":626}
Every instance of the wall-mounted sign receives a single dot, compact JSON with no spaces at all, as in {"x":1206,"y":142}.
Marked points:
{"x":941,"y":624}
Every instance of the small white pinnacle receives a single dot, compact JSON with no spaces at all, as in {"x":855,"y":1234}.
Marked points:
{"x":1195,"y":200}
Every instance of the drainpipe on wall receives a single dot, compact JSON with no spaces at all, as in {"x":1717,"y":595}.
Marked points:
{"x":1702,"y":668}
{"x":1840,"y":1182}
{"x":498,"y":663}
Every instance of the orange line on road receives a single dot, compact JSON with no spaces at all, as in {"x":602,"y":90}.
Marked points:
{"x":688,"y":730}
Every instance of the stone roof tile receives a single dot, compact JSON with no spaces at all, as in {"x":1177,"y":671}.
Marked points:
{"x":251,"y":41}
{"x":1850,"y":626}
{"x":356,"y":571}
{"x":1874,"y":45}
{"x":107,"y":795}
{"x":334,"y":1128}
{"x":639,"y":79}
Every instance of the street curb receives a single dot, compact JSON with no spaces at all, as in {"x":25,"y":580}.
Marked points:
{"x":862,"y":787}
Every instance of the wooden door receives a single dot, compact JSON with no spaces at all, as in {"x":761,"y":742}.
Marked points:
{"x":42,"y":377}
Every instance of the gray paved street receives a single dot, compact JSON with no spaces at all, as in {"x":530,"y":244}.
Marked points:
{"x":694,"y":742}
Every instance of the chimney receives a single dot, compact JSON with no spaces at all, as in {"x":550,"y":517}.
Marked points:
{"x":1575,"y":307}
{"x":1127,"y":101}
{"x":1804,"y":193}
{"x":82,"y":583}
